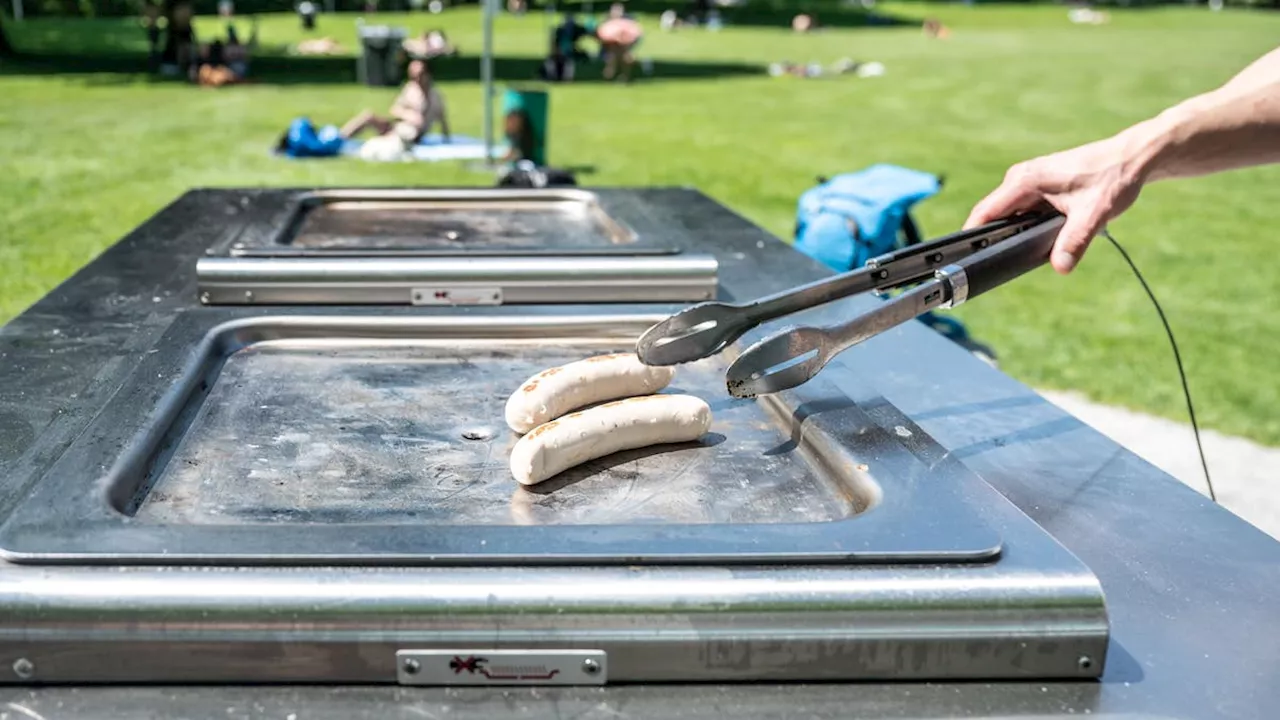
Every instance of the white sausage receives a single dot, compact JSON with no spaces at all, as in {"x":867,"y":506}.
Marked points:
{"x":552,"y":393}
{"x":623,"y":425}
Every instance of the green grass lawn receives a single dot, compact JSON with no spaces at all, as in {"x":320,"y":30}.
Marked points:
{"x":90,"y":147}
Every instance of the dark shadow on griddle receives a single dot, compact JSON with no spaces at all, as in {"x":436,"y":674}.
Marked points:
{"x":587,"y":470}
{"x":729,"y":402}
{"x":804,"y":412}
{"x":1121,"y":666}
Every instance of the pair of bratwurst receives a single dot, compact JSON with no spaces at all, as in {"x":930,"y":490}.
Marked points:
{"x":556,"y":442}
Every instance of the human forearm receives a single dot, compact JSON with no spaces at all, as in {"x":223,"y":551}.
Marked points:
{"x":1236,"y":126}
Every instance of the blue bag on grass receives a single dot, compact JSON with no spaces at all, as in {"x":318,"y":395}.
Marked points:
{"x":303,"y":140}
{"x":851,"y":218}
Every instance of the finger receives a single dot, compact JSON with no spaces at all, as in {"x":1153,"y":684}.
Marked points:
{"x":1076,"y":234}
{"x":1014,"y":195}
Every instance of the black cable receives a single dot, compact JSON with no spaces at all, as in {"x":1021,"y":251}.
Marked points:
{"x":1177,"y":357}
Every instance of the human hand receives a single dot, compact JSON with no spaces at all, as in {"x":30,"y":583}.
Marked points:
{"x":1090,"y":185}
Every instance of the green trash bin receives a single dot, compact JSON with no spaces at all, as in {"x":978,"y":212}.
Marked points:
{"x":534,"y":106}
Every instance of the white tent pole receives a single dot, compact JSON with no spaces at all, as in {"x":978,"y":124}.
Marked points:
{"x":486,"y":79}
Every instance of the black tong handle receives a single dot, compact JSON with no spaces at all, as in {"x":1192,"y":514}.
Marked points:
{"x":960,"y":243}
{"x":998,"y":264}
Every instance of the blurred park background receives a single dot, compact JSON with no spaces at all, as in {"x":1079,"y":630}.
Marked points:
{"x":92,"y":143}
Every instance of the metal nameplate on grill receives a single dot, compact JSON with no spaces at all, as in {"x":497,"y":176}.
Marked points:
{"x":501,"y":667}
{"x":456,"y":296}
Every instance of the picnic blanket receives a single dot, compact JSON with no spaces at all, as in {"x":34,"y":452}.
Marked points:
{"x":304,"y":140}
{"x":431,"y":148}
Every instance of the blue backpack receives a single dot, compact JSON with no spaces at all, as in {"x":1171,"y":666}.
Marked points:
{"x":851,"y":218}
{"x":303,"y":140}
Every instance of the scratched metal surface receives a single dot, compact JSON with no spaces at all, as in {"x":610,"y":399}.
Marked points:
{"x":429,"y":224}
{"x":299,"y":432}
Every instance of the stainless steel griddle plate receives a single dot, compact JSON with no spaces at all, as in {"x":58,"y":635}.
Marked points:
{"x":450,"y":247}
{"x":414,"y":434}
{"x":450,"y":219}
{"x":381,"y":440}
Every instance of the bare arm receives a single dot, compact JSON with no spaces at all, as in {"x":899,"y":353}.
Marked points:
{"x":1235,"y":126}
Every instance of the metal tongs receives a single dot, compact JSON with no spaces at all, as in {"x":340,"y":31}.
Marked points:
{"x":949,"y":270}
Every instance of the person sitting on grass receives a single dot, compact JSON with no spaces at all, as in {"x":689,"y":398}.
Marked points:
{"x":518,"y":130}
{"x":417,"y":108}
{"x":565,"y":53}
{"x":238,"y":54}
{"x":225,"y":63}
{"x":619,"y":36}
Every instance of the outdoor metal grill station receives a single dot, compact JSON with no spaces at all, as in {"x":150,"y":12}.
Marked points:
{"x":261,"y":441}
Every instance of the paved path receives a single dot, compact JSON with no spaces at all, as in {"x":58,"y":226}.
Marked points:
{"x":1246,"y":475}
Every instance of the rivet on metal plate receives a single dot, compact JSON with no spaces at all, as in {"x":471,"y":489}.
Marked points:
{"x":24,"y":668}
{"x":411,"y":666}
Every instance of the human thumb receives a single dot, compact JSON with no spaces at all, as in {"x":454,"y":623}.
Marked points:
{"x":1074,"y":238}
